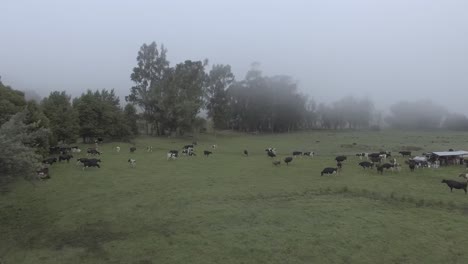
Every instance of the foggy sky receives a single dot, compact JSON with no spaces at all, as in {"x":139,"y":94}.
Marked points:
{"x":387,"y":50}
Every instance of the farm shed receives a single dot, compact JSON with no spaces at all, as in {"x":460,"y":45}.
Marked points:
{"x":450,"y":157}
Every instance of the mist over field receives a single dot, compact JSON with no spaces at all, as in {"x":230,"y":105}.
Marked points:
{"x":385,"y":51}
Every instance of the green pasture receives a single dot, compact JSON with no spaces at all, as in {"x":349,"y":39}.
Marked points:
{"x":228,"y":208}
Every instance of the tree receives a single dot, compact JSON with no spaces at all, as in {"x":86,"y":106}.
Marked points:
{"x":63,"y":118}
{"x":416,"y":115}
{"x":219,"y":79}
{"x":18,"y":145}
{"x":183,"y":95}
{"x":131,"y":118}
{"x":11,"y":102}
{"x":455,"y":122}
{"x":100,"y":115}
{"x":149,"y":76}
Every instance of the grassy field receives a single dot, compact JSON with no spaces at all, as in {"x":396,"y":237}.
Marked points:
{"x":233,"y":209}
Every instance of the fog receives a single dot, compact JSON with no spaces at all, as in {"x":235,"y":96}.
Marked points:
{"x":386,"y":50}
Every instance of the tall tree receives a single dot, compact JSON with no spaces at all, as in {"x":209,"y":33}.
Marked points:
{"x":183,"y":95}
{"x":148,"y":76}
{"x":219,"y":79}
{"x":63,"y":118}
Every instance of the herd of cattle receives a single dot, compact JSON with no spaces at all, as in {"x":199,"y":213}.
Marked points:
{"x":382,"y":160}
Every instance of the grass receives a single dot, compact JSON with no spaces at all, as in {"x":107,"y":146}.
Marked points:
{"x":233,"y":209}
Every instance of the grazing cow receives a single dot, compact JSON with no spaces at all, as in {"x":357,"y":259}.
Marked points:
{"x":339,"y":165}
{"x":387,"y":166}
{"x":454,"y":184}
{"x":412,"y":166}
{"x":464,"y":175}
{"x":373,"y":155}
{"x":340,"y":158}
{"x":405,"y":153}
{"x":94,"y":151}
{"x":90,"y":163}
{"x":272,"y":150}
{"x":287,"y":160}
{"x":375,"y":159}
{"x":75,"y":149}
{"x":149,"y":149}
{"x":43,"y":173}
{"x":207,"y":153}
{"x":366,"y":164}
{"x":171,"y":155}
{"x":276,"y":162}
{"x":49,"y":161}
{"x":309,"y":153}
{"x":132,"y":149}
{"x":66,"y":157}
{"x":175,"y":152}
{"x":329,"y":170}
{"x":271,"y":154}
{"x":297,"y":153}
{"x":117,"y":149}
{"x":132,"y":163}
{"x":362,"y":155}
{"x":246,"y":153}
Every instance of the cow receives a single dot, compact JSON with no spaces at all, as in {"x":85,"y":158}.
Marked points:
{"x":66,"y":157}
{"x":117,"y":149}
{"x":309,"y":153}
{"x":339,"y":165}
{"x":75,"y":149}
{"x":189,"y":146}
{"x":374,"y":155}
{"x":207,"y":153}
{"x":90,"y":163}
{"x":132,"y":149}
{"x":43,"y":173}
{"x":132,"y":163}
{"x":464,"y":176}
{"x":340,"y":158}
{"x":49,"y":161}
{"x":175,"y":152}
{"x":375,"y":159}
{"x":93,"y":151}
{"x":214,"y":146}
{"x":329,"y":170}
{"x":454,"y":184}
{"x":366,"y":164}
{"x":271,"y":154}
{"x":287,"y":160}
{"x":405,"y":153}
{"x":171,"y":155}
{"x":246,"y":153}
{"x":149,"y":149}
{"x":297,"y":153}
{"x":276,"y":162}
{"x":272,"y":150}
{"x":362,"y":155}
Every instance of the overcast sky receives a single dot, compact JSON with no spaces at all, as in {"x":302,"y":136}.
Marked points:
{"x":387,"y":50}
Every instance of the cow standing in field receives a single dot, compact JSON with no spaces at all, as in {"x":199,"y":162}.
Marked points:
{"x":329,"y":170}
{"x":92,"y":151}
{"x":362,"y":155}
{"x":297,"y":153}
{"x":309,"y":153}
{"x":405,"y":153}
{"x":455,"y":185}
{"x":366,"y":164}
{"x":340,"y":158}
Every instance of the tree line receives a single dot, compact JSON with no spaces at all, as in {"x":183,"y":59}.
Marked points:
{"x":169,"y":99}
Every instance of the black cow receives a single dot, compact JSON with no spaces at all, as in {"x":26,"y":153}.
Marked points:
{"x":339,"y":165}
{"x":309,"y":153}
{"x":132,"y":149}
{"x":271,"y":154}
{"x":454,"y":184}
{"x":49,"y":161}
{"x":380,"y":169}
{"x":405,"y":153}
{"x":246,"y":153}
{"x":43,"y":173}
{"x":90,"y":163}
{"x":387,"y":166}
{"x":66,"y":157}
{"x":366,"y":164}
{"x":297,"y":153}
{"x":329,"y":170}
{"x":207,"y":152}
{"x":341,"y":158}
{"x":374,"y":155}
{"x":93,"y":151}
{"x":375,"y":159}
{"x":287,"y":160}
